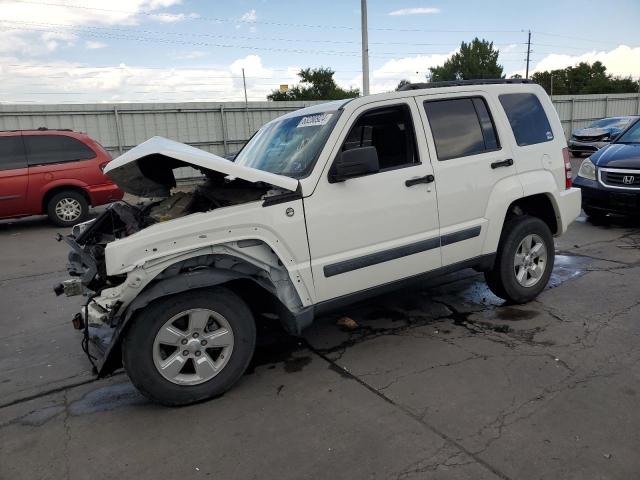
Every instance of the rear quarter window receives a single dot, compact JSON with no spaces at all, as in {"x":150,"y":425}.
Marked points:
{"x":46,"y":149}
{"x":527,"y":118}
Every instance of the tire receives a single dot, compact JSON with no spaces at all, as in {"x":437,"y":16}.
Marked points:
{"x":143,"y":347}
{"x":502,"y":279}
{"x":67,"y":208}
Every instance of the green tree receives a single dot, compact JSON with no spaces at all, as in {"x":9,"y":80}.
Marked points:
{"x":584,"y":78}
{"x":315,"y":84}
{"x":477,"y":59}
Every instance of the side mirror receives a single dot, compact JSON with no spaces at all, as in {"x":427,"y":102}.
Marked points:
{"x":354,"y":163}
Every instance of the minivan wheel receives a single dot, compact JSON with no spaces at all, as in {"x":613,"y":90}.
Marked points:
{"x":190,"y":346}
{"x":524,"y":260}
{"x":67,"y":208}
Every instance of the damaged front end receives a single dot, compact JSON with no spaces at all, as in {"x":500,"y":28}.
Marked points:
{"x":147,"y":171}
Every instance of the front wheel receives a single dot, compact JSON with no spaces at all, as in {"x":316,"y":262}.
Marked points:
{"x":190,"y":346}
{"x":524,"y":260}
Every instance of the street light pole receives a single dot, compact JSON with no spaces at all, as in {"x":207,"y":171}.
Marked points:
{"x":365,"y":48}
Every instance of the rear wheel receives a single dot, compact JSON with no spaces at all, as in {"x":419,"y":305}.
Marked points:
{"x":67,"y":208}
{"x":524,"y":260}
{"x":189,"y":347}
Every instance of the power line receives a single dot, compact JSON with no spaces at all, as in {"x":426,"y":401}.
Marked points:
{"x":210,"y":35}
{"x":259,"y":22}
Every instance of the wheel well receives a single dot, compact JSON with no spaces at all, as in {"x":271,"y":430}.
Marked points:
{"x":536,"y":206}
{"x":63,"y":188}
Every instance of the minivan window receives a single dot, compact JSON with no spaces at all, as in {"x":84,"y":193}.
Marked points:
{"x":528,"y":121}
{"x":45,"y":149}
{"x":461,"y":127}
{"x":390,"y":131}
{"x":12,"y":153}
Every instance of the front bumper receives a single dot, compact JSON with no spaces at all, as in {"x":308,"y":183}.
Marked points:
{"x":577,"y":146}
{"x":595,"y":196}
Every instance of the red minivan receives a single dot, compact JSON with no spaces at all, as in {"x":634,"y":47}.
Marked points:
{"x":57,"y":172}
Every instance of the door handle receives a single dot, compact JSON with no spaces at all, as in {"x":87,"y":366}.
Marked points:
{"x":503,"y":163}
{"x":415,"y":181}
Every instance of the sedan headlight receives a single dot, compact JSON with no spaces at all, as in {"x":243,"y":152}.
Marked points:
{"x":587,"y":170}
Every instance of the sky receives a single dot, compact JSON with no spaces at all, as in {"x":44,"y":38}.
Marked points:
{"x":91,"y":51}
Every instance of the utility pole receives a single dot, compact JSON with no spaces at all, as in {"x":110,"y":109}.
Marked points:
{"x":246,"y":103}
{"x":365,"y":48}
{"x":528,"y":53}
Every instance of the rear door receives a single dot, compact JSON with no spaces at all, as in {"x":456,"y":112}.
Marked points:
{"x":14,"y":176}
{"x":470,"y":158}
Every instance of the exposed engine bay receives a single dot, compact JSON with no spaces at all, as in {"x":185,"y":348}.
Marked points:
{"x":119,"y":220}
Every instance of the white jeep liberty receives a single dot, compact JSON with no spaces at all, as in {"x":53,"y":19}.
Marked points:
{"x":324,"y":206}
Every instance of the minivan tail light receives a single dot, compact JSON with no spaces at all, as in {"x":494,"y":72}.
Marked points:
{"x":567,"y":168}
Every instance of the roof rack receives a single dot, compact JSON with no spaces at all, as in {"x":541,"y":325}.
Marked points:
{"x":461,"y":83}
{"x":39,"y":129}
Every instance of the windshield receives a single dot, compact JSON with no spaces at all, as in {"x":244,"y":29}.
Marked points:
{"x":289,"y":146}
{"x":610,"y":122}
{"x":632,"y":135}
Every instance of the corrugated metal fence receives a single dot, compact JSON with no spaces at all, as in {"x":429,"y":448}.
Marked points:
{"x":577,"y":111}
{"x":224,"y":127}
{"x":219,"y":128}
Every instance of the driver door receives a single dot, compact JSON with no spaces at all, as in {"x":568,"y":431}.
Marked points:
{"x":376,"y":228}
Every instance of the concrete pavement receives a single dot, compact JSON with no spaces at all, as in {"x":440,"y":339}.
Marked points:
{"x":441,"y":382}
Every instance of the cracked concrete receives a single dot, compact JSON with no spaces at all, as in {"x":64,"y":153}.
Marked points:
{"x":441,"y":382}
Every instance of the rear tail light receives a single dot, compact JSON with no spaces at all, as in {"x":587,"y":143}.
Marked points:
{"x":567,"y":168}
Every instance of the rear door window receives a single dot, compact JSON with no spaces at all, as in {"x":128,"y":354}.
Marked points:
{"x":528,"y":120}
{"x":461,"y":127}
{"x":46,"y":149}
{"x":12,"y":153}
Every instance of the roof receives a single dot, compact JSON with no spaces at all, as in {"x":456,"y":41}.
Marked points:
{"x":461,"y":83}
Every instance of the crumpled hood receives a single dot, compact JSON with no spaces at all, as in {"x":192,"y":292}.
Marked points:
{"x":594,"y":132}
{"x":147,"y":170}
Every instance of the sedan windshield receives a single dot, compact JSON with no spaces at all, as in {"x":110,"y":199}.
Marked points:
{"x":289,"y":146}
{"x":631,"y":136}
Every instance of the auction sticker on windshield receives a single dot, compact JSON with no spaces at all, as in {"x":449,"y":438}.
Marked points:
{"x":315,"y":120}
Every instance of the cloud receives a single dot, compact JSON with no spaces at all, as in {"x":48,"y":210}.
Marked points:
{"x":249,"y":16}
{"x":174,"y":17}
{"x":414,"y":11}
{"x":414,"y":69}
{"x":93,"y":45}
{"x":71,"y":82}
{"x":622,"y":60}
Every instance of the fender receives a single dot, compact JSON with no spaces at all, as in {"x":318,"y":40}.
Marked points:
{"x":162,"y":286}
{"x":36,"y":201}
{"x":543,"y":182}
{"x":504,"y":193}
